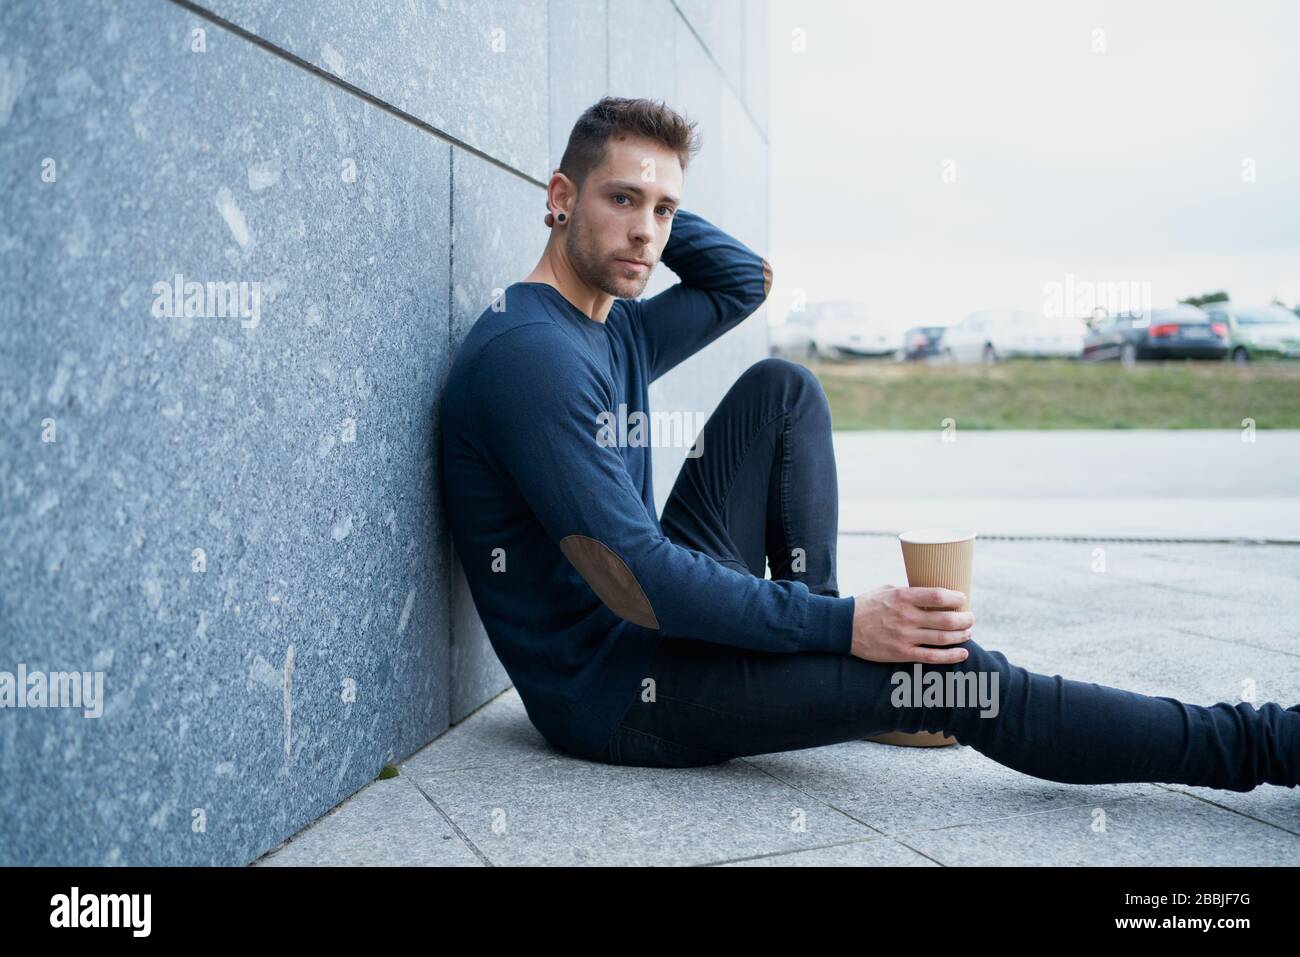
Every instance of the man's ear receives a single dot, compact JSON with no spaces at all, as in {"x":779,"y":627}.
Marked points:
{"x":767,"y":278}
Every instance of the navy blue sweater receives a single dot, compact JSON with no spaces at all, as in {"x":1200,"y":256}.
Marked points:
{"x":556,"y":525}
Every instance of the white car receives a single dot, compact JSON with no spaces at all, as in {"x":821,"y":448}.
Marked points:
{"x":793,"y":338}
{"x":994,"y":334}
{"x":835,"y":330}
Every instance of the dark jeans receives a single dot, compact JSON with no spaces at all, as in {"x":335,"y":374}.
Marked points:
{"x":766,"y":484}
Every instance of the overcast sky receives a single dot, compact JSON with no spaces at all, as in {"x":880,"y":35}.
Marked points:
{"x":1117,"y":166}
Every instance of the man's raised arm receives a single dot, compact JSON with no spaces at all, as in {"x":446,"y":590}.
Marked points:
{"x":723,"y":282}
{"x":536,"y":406}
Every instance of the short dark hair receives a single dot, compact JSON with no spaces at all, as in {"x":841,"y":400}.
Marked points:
{"x":615,"y":114}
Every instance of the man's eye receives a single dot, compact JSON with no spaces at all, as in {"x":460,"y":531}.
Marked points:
{"x":621,"y":196}
{"x":668,"y":208}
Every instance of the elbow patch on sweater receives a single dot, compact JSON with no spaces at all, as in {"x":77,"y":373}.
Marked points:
{"x":767,"y":278}
{"x":610,"y":578}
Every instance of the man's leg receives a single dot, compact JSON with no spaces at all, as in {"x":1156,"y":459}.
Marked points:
{"x":767,"y":453}
{"x":712,"y":702}
{"x":764,"y":490}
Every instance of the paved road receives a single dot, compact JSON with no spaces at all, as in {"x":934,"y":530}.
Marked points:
{"x":1143,"y":483}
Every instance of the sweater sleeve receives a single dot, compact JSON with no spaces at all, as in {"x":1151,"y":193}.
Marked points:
{"x":723,"y":282}
{"x":538,"y":404}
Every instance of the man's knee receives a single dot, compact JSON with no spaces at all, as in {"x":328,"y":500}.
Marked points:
{"x":954,"y":698}
{"x":780,"y":369}
{"x":797,"y":382}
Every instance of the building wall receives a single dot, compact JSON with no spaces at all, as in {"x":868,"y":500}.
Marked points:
{"x":236,"y":517}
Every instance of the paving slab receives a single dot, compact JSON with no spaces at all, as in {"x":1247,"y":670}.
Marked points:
{"x":388,"y":823}
{"x":895,"y":790}
{"x":568,"y":811}
{"x":1163,"y":830}
{"x":874,"y":852}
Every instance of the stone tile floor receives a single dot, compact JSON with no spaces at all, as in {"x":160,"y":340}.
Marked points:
{"x":1200,"y":622}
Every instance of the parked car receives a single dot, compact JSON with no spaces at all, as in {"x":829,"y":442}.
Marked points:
{"x":1255,"y":332}
{"x":834,"y":330}
{"x":991,"y":335}
{"x":1183,"y":332}
{"x":921,"y":343}
{"x":793,"y":338}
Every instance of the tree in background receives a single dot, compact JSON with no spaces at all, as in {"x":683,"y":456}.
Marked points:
{"x":1219,"y":296}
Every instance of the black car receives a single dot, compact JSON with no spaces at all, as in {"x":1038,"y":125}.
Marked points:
{"x":920,"y":342}
{"x":1183,"y":332}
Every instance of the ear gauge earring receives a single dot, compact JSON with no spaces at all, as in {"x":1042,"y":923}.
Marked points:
{"x":552,"y":217}
{"x":561,"y":216}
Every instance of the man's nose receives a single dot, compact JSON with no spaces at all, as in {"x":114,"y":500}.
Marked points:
{"x":643,"y":230}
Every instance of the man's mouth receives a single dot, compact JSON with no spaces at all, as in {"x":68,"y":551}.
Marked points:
{"x":640,"y":265}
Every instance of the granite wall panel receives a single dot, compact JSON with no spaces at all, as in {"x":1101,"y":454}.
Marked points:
{"x":241,"y":244}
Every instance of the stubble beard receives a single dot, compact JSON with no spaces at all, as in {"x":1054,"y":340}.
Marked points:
{"x":600,"y":273}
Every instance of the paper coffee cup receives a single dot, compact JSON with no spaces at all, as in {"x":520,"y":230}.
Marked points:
{"x":942,"y":557}
{"x":935,"y":557}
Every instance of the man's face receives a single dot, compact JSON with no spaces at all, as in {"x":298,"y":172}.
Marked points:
{"x":624,"y":212}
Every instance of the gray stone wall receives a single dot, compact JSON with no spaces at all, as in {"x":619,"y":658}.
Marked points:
{"x":228,"y":504}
